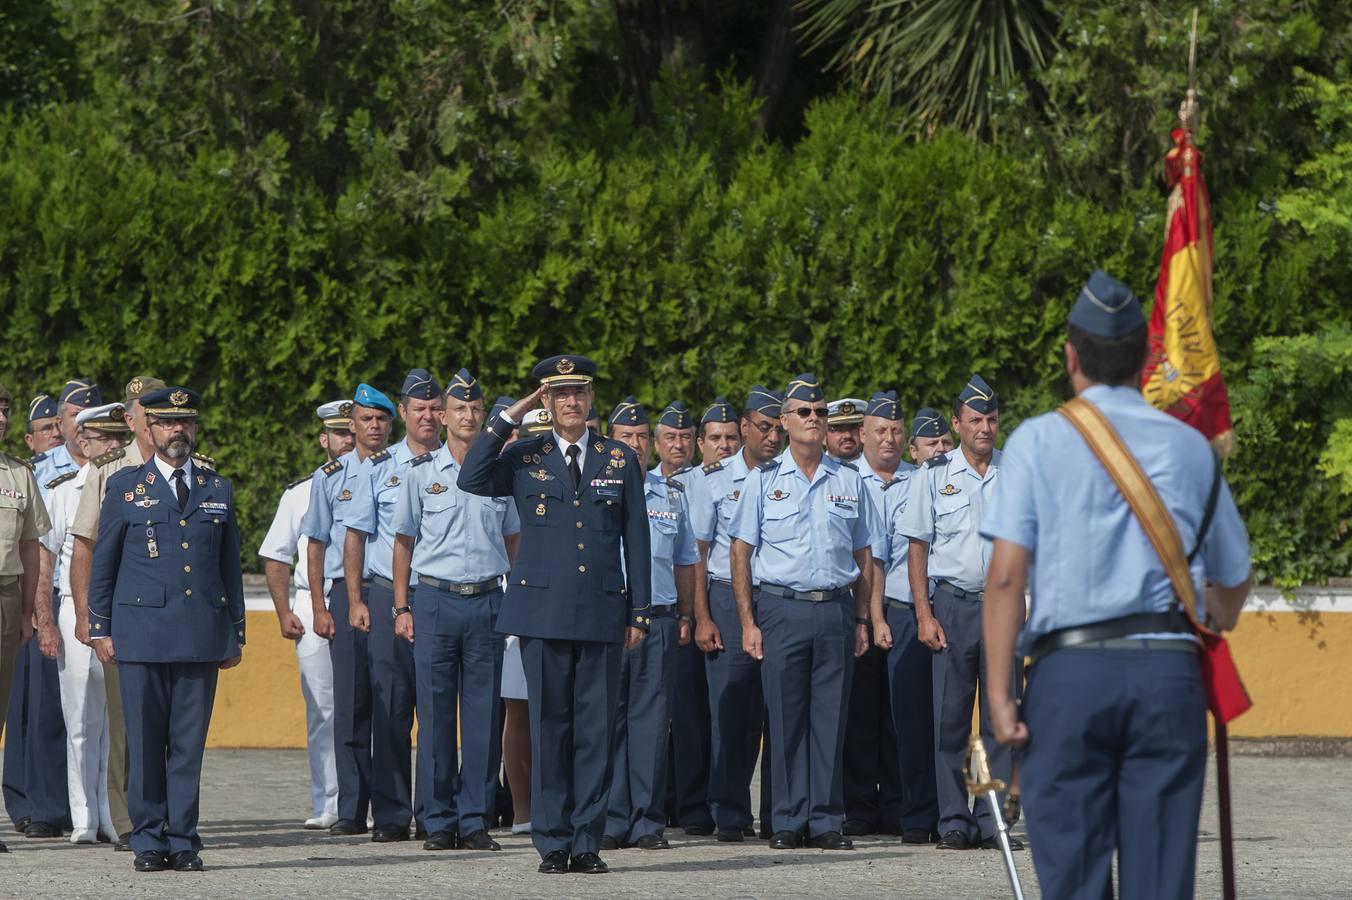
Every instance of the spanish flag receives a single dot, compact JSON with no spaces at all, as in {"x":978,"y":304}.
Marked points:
{"x":1183,"y":370}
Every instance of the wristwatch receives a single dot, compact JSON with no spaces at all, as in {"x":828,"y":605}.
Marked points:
{"x":400,"y":610}
{"x":686,"y":619}
{"x":861,"y":621}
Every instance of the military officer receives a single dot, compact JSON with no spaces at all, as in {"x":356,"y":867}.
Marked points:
{"x":83,"y":704}
{"x":368,"y":563}
{"x":458,"y":546}
{"x":335,"y":484}
{"x":736,"y":700}
{"x":947,"y":570}
{"x":719,"y":435}
{"x":42,"y":435}
{"x":77,"y":394}
{"x":871,"y":781}
{"x":23,"y":520}
{"x":580,"y":498}
{"x":843,"y":423}
{"x":85,"y":528}
{"x":930,"y":435}
{"x":166,"y":603}
{"x":283,"y":544}
{"x":811,"y":522}
{"x":1115,"y":693}
{"x":648,"y":672}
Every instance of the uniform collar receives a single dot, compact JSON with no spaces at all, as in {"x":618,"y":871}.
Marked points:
{"x":167,"y":471}
{"x":826,"y":468}
{"x":653,"y":479}
{"x":444,"y":459}
{"x":1108,"y":394}
{"x":957,"y":463}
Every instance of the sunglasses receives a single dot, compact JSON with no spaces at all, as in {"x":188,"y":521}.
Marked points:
{"x":807,"y":412}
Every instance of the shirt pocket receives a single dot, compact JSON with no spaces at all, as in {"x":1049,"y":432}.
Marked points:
{"x":780,"y":521}
{"x":491,"y":513}
{"x":951,"y":515}
{"x":544,"y":504}
{"x":663,"y":533}
{"x":843,"y":515}
{"x":149,"y":530}
{"x":12,"y":512}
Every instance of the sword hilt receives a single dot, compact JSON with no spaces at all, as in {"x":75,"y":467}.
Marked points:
{"x":978,"y":766}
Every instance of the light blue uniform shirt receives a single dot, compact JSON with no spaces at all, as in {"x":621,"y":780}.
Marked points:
{"x":944,"y":509}
{"x":890,"y":498}
{"x":673,"y":540}
{"x":805,"y":532}
{"x":330,"y":504}
{"x":1091,"y":558}
{"x":54,"y":463}
{"x":713,"y":498}
{"x":373,"y":500}
{"x":458,"y":537}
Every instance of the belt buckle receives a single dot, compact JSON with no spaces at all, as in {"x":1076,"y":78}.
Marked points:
{"x":816,"y":596}
{"x":464,"y":590}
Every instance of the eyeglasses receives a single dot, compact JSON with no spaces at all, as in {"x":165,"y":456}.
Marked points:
{"x":807,"y":412}
{"x":767,"y":427}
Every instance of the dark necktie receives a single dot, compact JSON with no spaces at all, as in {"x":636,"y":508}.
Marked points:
{"x":181,"y":488}
{"x":573,"y":468}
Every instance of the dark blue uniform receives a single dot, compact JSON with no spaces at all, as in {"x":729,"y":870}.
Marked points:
{"x":565,"y":599}
{"x":166,"y":586}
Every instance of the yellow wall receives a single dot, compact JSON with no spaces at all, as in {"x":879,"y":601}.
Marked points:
{"x":258,"y":703}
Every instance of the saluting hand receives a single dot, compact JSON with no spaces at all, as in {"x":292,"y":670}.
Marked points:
{"x":518,"y":410}
{"x":707,"y":636}
{"x":292,"y":629}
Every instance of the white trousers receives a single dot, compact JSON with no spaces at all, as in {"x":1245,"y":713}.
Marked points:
{"x":316,"y":686}
{"x":84,"y":706}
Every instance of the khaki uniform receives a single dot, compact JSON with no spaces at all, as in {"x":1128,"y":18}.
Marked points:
{"x":86,"y":525}
{"x":23,"y":517}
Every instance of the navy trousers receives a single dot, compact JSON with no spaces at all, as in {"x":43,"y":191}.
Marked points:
{"x":35,"y":740}
{"x":737,"y":717}
{"x":457,"y":655}
{"x":393,"y":701}
{"x":911,"y":694}
{"x":351,"y":709}
{"x":168,"y":710}
{"x":688,"y":788}
{"x":806,"y":673}
{"x":956,"y":672}
{"x":574,"y":689}
{"x":872,"y":782}
{"x":638,"y":786}
{"x":1115,"y":761}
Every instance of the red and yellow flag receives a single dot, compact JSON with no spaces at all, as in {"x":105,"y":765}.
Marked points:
{"x":1183,"y":371}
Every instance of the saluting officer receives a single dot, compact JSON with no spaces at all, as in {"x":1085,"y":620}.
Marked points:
{"x":942,"y":520}
{"x":1114,"y":719}
{"x":811,"y":523}
{"x":457,"y":546}
{"x":580,"y":498}
{"x":648,"y":672}
{"x":368,"y":563}
{"x":283,"y":544}
{"x":736,"y":700}
{"x":166,"y":603}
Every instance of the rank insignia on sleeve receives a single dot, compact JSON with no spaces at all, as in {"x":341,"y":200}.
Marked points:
{"x":540,"y":510}
{"x":345,"y":495}
{"x":129,"y":496}
{"x":436,"y":488}
{"x":779,"y":495}
{"x":948,"y":490}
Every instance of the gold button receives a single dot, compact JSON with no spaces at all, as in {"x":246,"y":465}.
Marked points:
{"x":183,"y":521}
{"x":610,"y":503}
{"x":187,"y":568}
{"x":138,"y":599}
{"x":523,"y":581}
{"x":582,"y":546}
{"x":582,"y":568}
{"x":579,"y":524}
{"x":577,"y":502}
{"x":185,"y":545}
{"x":188,"y":592}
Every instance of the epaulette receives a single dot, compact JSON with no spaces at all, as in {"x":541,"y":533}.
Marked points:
{"x":848,"y":465}
{"x":34,"y":460}
{"x":22,"y":462}
{"x":300,"y":481}
{"x":110,"y":456}
{"x":672,"y":482}
{"x":204,"y":461}
{"x":681,"y":472}
{"x":333,"y":466}
{"x":62,"y":479}
{"x":424,"y":458}
{"x":769,"y":465}
{"x":935,"y":461}
{"x":381,"y":456}
{"x":711,"y":468}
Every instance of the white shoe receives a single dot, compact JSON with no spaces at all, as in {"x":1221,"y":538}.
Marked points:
{"x":86,"y":836}
{"x":320,"y":823}
{"x":521,"y":828}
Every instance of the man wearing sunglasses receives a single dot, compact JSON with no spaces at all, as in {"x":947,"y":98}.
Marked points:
{"x":811,"y":523}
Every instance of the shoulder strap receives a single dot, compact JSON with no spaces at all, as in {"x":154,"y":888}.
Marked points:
{"x":1140,"y":495}
{"x":1210,"y":512}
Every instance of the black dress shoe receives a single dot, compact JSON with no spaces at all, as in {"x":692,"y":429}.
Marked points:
{"x":993,"y":843}
{"x":917,"y":836}
{"x":22,"y":825}
{"x":3,"y":848}
{"x":150,"y":861}
{"x":785,"y":840}
{"x":479,"y":840}
{"x":831,"y":840}
{"x":748,"y":831}
{"x":554,"y":863}
{"x":186,"y":861}
{"x":609,"y":843}
{"x":390,"y":835}
{"x":420,"y":833}
{"x":858,"y":827}
{"x":39,"y":830}
{"x":347,"y":828}
{"x":699,"y":829}
{"x":954,"y":840}
{"x":588,"y":864}
{"x":652,"y":842}
{"x":440,"y":840}
{"x":122,"y":844}
{"x":731,"y":836}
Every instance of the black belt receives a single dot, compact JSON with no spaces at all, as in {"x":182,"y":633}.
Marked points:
{"x":1173,"y":622}
{"x":954,"y":590}
{"x":821,"y":596}
{"x":899,"y":604}
{"x":657,"y":612}
{"x":470,"y":589}
{"x":384,"y":582}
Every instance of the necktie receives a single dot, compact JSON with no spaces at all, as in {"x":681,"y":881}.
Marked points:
{"x":181,"y":488}
{"x":573,"y":468}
